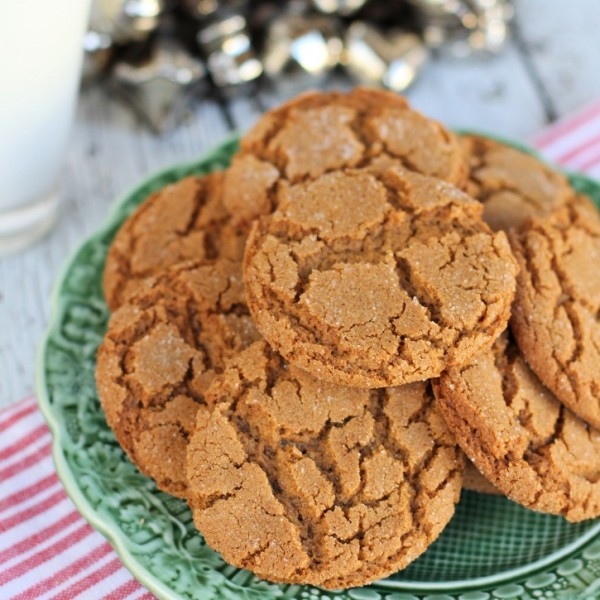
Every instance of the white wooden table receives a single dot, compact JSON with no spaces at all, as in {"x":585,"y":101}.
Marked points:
{"x":550,"y":68}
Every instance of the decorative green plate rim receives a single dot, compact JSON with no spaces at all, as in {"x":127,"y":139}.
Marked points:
{"x":583,"y":553}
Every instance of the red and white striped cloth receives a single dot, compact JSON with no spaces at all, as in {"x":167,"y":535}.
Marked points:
{"x":574,"y":142}
{"x":47,"y":550}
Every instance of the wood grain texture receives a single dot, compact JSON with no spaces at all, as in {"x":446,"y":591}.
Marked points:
{"x":562,"y":41}
{"x":554,"y":60}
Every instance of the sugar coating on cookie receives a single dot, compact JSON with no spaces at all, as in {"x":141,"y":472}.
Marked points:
{"x":511,"y":184}
{"x":321,"y":132}
{"x":529,"y":445}
{"x":160,"y":352}
{"x":183,"y":221}
{"x":303,"y":481}
{"x":379,"y":278}
{"x":556,"y":315}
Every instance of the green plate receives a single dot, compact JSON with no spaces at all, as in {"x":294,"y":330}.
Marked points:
{"x":491,"y":549}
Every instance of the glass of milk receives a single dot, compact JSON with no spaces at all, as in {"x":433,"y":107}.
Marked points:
{"x":41,"y":45}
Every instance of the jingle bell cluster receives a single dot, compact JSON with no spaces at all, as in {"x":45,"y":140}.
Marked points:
{"x":160,"y":54}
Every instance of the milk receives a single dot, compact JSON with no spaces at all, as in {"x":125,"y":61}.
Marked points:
{"x":40,"y":62}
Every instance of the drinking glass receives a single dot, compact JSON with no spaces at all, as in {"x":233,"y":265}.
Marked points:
{"x":41,"y":45}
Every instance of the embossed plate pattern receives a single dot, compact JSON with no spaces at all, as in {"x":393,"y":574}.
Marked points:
{"x":491,"y":549}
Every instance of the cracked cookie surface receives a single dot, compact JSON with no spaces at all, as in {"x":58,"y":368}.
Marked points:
{"x":374,"y":279}
{"x":511,"y":184}
{"x":303,"y":481}
{"x":160,"y":352}
{"x":528,"y":444}
{"x":556,"y":315}
{"x":184,"y":221}
{"x":321,"y":132}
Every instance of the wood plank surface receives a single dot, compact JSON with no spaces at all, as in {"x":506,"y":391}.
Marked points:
{"x":562,"y":42}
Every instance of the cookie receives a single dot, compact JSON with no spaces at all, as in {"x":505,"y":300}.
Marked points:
{"x":159,"y":355}
{"x":511,"y":184}
{"x":302,"y":481}
{"x":474,"y":481}
{"x":316,"y":133}
{"x":183,"y":221}
{"x":556,"y":315}
{"x":375,"y":279}
{"x":517,"y":433}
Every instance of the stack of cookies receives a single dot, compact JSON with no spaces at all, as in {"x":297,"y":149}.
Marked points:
{"x":305,"y":346}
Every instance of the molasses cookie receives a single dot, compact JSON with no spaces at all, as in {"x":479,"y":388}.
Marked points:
{"x":511,"y":184}
{"x":474,"y":481}
{"x":375,"y":279}
{"x":161,"y":350}
{"x":321,"y":132}
{"x":516,"y":432}
{"x":556,"y":315}
{"x":185,"y":220}
{"x":303,"y":481}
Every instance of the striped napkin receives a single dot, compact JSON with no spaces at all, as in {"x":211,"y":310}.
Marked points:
{"x":47,"y":550}
{"x":574,"y":142}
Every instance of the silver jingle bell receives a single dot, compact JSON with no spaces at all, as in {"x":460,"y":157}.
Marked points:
{"x":161,"y":86}
{"x":229,"y":52}
{"x":493,"y":25}
{"x":462,"y":27}
{"x":343,"y":8}
{"x":97,"y":52}
{"x":392,"y":59}
{"x":447,"y":12}
{"x":126,"y":20}
{"x":204,"y":9}
{"x":301,"y":46}
{"x":200,"y":9}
